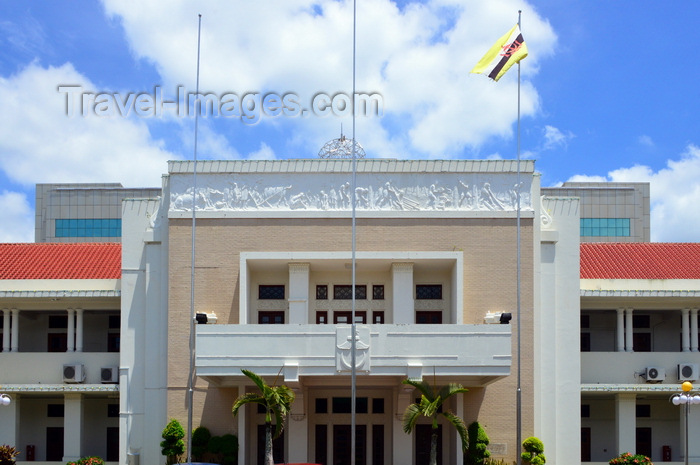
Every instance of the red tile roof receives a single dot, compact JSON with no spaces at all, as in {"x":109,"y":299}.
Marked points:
{"x":61,"y":260}
{"x":635,"y":260}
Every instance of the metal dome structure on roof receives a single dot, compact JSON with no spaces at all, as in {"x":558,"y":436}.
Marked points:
{"x":341,"y":148}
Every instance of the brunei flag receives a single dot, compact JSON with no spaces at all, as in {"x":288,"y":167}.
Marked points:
{"x":506,"y":52}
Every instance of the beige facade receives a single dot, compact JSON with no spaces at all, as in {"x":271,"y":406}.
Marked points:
{"x":489,"y":285}
{"x":436,"y":266}
{"x":485,"y":245}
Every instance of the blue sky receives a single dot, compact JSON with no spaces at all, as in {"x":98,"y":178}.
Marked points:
{"x":609,"y":89}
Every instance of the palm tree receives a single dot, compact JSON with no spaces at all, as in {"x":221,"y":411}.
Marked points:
{"x":277,"y":401}
{"x":429,"y":405}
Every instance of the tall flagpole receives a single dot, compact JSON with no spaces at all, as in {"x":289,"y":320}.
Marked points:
{"x":190,"y":379}
{"x":353,"y":326}
{"x":518,"y":400}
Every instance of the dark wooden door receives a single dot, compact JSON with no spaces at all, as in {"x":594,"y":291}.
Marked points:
{"x":54,"y":444}
{"x":585,"y":444}
{"x":342,"y":442}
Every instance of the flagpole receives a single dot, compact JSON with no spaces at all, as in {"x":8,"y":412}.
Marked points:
{"x":190,"y":378}
{"x":353,"y":326}
{"x":518,"y":400}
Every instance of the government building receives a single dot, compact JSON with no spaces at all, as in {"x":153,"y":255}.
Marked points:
{"x":549,"y":304}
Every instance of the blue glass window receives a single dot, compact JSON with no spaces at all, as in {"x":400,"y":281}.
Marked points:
{"x":610,"y":227}
{"x":92,"y":227}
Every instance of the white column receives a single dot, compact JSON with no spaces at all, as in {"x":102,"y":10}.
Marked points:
{"x":242,"y":439}
{"x":685,"y":326}
{"x":629,"y":340}
{"x":459,"y":408}
{"x":298,"y":430}
{"x":78,"y":329}
{"x":620,"y":329}
{"x":402,"y":443}
{"x":693,"y":430}
{"x":14,"y":341}
{"x":299,"y":293}
{"x":9,"y":422}
{"x":693,"y":329}
{"x":402,"y":295}
{"x":6,"y":330}
{"x":72,"y":426}
{"x":71,"y":330}
{"x":626,"y":422}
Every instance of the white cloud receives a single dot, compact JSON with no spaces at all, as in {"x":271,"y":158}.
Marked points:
{"x":645,"y":140}
{"x":555,"y":137}
{"x":587,"y":178}
{"x":17,"y":218}
{"x":675,"y":195}
{"x":264,"y":153}
{"x":417,"y":56}
{"x":40,"y":143}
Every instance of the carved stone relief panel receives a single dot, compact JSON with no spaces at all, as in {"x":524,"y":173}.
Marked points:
{"x":329,"y":192}
{"x":344,"y":348}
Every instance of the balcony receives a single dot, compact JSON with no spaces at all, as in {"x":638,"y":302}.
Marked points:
{"x":47,"y":367}
{"x":626,"y":367}
{"x":475,"y":354}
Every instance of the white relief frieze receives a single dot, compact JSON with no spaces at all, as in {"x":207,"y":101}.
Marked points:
{"x":329,"y":192}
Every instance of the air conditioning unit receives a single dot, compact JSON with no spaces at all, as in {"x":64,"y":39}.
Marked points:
{"x":688,"y":371}
{"x":73,"y":373}
{"x":109,"y":375}
{"x":655,"y":374}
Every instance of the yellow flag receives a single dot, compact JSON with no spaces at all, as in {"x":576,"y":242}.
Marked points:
{"x":506,"y":52}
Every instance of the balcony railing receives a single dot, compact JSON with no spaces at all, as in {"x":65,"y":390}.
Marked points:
{"x":626,"y":367}
{"x":480,"y":352}
{"x":47,"y":367}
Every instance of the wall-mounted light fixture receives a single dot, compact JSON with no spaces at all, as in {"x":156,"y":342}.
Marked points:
{"x":205,"y":318}
{"x":493,"y":318}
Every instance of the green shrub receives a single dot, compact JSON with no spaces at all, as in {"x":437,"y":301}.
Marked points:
{"x":200,"y":443}
{"x":172,"y":445}
{"x":534,"y":452}
{"x":477,"y":452}
{"x":629,"y":459}
{"x":224,"y":449}
{"x":8,"y":454}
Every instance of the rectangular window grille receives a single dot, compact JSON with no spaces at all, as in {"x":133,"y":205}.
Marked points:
{"x":113,"y":410}
{"x":343,"y":292}
{"x":585,"y":411}
{"x":585,"y":321}
{"x":88,"y":227}
{"x":270,"y":318}
{"x":321,"y":405}
{"x":378,"y":292}
{"x":58,"y":321}
{"x":643,"y":411}
{"x":55,"y":410}
{"x":641,"y":321}
{"x":342,"y":405}
{"x":114,"y":321}
{"x":271,"y":292}
{"x":429,"y":317}
{"x":321,"y":292}
{"x":429,"y":292}
{"x":599,"y":227}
